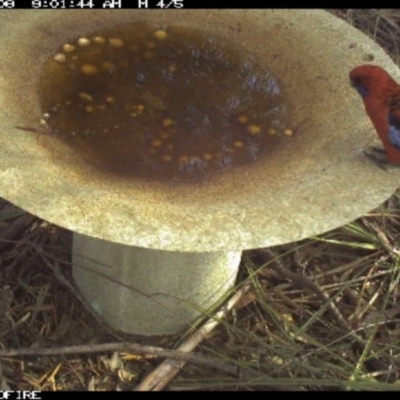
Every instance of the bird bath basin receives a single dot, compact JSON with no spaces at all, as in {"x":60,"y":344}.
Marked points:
{"x":156,"y":245}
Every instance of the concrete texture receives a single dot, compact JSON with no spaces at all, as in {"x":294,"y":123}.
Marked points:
{"x":319,"y":182}
{"x":148,"y":292}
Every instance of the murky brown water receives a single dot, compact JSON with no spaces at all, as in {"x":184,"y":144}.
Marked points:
{"x":170,"y":103}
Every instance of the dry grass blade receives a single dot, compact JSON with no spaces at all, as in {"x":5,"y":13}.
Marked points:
{"x":181,"y":356}
{"x":164,"y":373}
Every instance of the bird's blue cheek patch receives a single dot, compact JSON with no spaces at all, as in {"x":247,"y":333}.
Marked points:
{"x":394,"y":133}
{"x":362,"y":90}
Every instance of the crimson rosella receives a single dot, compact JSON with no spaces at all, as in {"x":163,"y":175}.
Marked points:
{"x":381,"y":96}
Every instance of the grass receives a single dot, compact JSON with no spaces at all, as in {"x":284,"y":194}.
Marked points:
{"x":321,"y":314}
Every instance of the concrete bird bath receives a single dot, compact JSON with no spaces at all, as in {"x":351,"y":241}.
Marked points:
{"x":150,"y":255}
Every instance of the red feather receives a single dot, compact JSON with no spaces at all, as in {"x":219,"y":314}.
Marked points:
{"x":381,"y":96}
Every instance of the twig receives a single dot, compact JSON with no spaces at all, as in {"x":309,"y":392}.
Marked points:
{"x":125,"y":347}
{"x":166,"y":371}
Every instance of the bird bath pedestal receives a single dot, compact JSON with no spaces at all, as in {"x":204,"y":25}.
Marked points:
{"x":150,"y":257}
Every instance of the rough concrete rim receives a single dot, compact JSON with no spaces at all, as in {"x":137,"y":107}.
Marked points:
{"x":320,"y":182}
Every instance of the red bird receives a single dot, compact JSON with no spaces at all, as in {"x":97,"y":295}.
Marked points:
{"x":381,"y":96}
